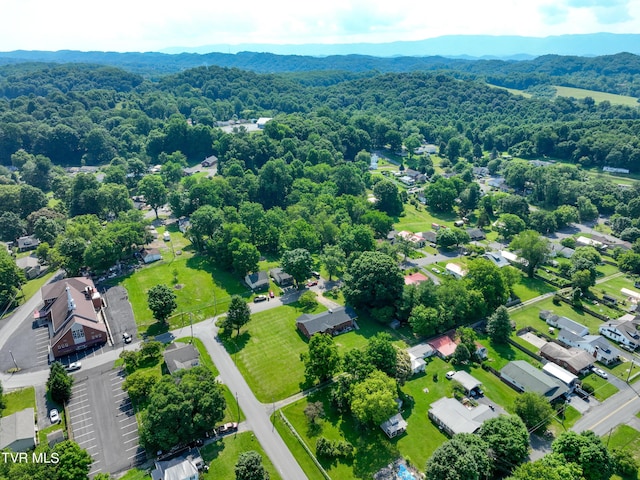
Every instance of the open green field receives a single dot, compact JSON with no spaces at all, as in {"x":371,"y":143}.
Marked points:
{"x":373,"y":449}
{"x":419,"y":219}
{"x":203,"y":289}
{"x":613,"y":287}
{"x":581,"y":93}
{"x":528,"y":288}
{"x":19,"y":400}
{"x":603,"y":388}
{"x":267,"y":353}
{"x":222,"y":456}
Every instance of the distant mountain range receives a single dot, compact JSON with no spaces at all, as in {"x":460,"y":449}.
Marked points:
{"x":478,"y":46}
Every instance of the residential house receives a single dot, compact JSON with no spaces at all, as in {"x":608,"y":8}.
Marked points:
{"x":414,"y":238}
{"x":476,"y":234}
{"x":470,"y":384}
{"x":418,"y":354}
{"x":569,"y":379}
{"x":262,"y":121}
{"x":181,"y":356}
{"x":453,"y":417}
{"x":497,"y":259}
{"x":415,"y":175}
{"x":623,"y":330}
{"x":524,"y":377}
{"x":150,"y":255}
{"x":512,"y":258}
{"x":407,"y":180}
{"x":209,"y":161}
{"x":595,"y":345}
{"x":182,"y":467}
{"x":632,"y":295}
{"x":443,"y":345}
{"x":428,"y":236}
{"x":18,"y":431}
{"x":394,"y":426}
{"x":480,"y":171}
{"x":563,"y":323}
{"x":332,"y":322}
{"x":573,"y":359}
{"x":29,"y":242}
{"x":184,"y":224}
{"x":30,"y":266}
{"x":73,"y":312}
{"x":282,"y":278}
{"x":257,"y":280}
{"x":455,"y":270}
{"x":415,"y":278}
{"x":590,"y":242}
{"x":615,"y":170}
{"x":426,"y":148}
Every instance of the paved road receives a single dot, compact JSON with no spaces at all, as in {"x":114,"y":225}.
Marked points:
{"x":255,"y":412}
{"x":616,"y":410}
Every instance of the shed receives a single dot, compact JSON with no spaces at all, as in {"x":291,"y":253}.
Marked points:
{"x":396,"y":425}
{"x":565,"y":376}
{"x":468,"y":381}
{"x":181,"y":356}
{"x":18,"y":431}
{"x":150,"y":255}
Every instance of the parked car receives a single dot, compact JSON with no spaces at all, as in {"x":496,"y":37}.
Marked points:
{"x":271,"y":294}
{"x":312,"y":283}
{"x":126,"y":337}
{"x":54,"y":416}
{"x":450,"y":374}
{"x":227,"y":428}
{"x":316,"y":274}
{"x":259,"y":298}
{"x":600,"y":373}
{"x":72,"y":367}
{"x":435,"y":270}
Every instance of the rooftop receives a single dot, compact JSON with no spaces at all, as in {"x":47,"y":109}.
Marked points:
{"x":533,"y":379}
{"x":457,"y":418}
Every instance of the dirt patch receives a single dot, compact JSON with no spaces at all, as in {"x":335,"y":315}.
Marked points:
{"x":178,"y":286}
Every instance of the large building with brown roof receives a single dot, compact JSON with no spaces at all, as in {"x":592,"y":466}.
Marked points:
{"x":73,"y":311}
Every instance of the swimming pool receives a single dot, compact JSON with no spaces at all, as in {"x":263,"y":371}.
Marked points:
{"x":404,"y":474}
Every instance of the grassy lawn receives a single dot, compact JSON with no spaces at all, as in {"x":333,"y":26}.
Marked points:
{"x":205,"y":291}
{"x":268,"y":350}
{"x":136,"y":474}
{"x":304,"y":460}
{"x":603,"y":389}
{"x":373,"y":448}
{"x":222,"y":456}
{"x":613,"y":287}
{"x":19,"y":400}
{"x":368,"y":327}
{"x":626,"y":438}
{"x":529,"y":288}
{"x":419,"y":219}
{"x":501,"y":354}
{"x":232,"y":413}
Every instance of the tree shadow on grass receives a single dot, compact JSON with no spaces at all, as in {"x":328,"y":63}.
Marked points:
{"x":157,"y":328}
{"x":212,"y":451}
{"x":234,"y":343}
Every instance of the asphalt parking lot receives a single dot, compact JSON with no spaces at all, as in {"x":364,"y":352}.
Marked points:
{"x":119,"y":315}
{"x":103,"y":422}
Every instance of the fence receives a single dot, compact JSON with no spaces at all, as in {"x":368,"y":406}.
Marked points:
{"x":580,"y":306}
{"x":304,"y":445}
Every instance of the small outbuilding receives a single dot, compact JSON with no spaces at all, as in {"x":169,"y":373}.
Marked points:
{"x":181,"y":356}
{"x":18,"y":431}
{"x":396,"y":425}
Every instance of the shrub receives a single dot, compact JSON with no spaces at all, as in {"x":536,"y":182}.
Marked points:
{"x":587,"y":387}
{"x":333,"y":449}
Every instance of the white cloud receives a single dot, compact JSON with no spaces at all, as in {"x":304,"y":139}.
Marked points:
{"x":140,"y":25}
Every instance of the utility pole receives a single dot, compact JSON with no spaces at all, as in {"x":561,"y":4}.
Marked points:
{"x":14,"y":360}
{"x":191,"y":322}
{"x":238,"y":407}
{"x":630,"y":368}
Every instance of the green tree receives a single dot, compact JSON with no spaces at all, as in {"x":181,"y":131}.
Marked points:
{"x":485,"y":277}
{"x":74,"y":462}
{"x":425,"y":321}
{"x":510,"y":225}
{"x":11,"y":279}
{"x":466,"y":456}
{"x":274,"y":183}
{"x":245,"y":258}
{"x":462,"y":354}
{"x":249,"y":467}
{"x":534,"y":410}
{"x":11,"y":227}
{"x":181,"y":408}
{"x":139,"y":384}
{"x":382,"y":353}
{"x":333,"y":259}
{"x":238,"y":314}
{"x":373,"y":281}
{"x":531,"y":246}
{"x":588,"y":451}
{"x":373,"y":400}
{"x":508,"y":439}
{"x":388,"y":198}
{"x":587,"y":211}
{"x":549,"y":467}
{"x":499,"y":325}
{"x":154,"y":192}
{"x":297,"y":263}
{"x":59,"y":383}
{"x":322,"y":360}
{"x":162,"y":302}
{"x":441,"y":194}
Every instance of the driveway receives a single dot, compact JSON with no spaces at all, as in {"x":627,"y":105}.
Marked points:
{"x":119,"y":315}
{"x":103,"y":422}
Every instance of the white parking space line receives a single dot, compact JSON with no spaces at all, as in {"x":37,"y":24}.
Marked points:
{"x":127,"y":419}
{"x":90,"y":432}
{"x":135,"y":432}
{"x":119,"y":394}
{"x":132,"y":440}
{"x":89,"y":448}
{"x":135,"y":447}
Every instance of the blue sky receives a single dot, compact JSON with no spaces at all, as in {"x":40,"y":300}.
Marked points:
{"x":145,"y":25}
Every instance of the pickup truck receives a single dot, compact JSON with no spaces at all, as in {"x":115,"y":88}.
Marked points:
{"x":227,"y":428}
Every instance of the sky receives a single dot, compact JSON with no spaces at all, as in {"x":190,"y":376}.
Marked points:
{"x":145,"y":25}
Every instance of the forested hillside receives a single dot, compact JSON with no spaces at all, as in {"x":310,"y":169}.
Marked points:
{"x":80,"y":113}
{"x":618,"y":73}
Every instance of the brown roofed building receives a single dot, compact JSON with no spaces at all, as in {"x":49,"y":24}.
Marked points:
{"x":73,"y":310}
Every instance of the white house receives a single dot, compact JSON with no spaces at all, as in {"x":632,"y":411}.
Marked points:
{"x":456,"y":270}
{"x":622,"y":330}
{"x":563,"y":323}
{"x":150,"y":255}
{"x":395,"y":426}
{"x":262,"y":121}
